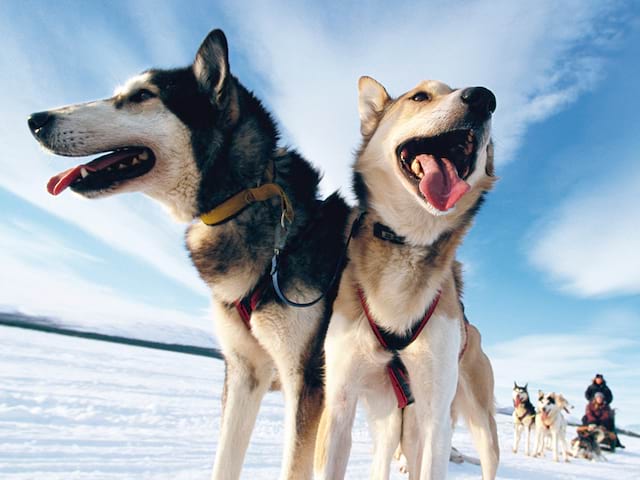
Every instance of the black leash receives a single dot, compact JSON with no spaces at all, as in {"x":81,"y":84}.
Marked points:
{"x":280,"y":239}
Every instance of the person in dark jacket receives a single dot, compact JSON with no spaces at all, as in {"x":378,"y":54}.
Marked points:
{"x":598,"y":412}
{"x":598,"y":385}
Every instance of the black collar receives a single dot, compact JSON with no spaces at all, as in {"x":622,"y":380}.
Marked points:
{"x":385,"y":233}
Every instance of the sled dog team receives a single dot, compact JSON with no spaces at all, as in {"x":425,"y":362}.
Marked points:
{"x":333,"y":304}
{"x":547,"y":418}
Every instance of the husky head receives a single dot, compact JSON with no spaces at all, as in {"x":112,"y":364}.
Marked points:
{"x":549,"y":404}
{"x":520,"y":394}
{"x":429,"y":150}
{"x":171,"y":134}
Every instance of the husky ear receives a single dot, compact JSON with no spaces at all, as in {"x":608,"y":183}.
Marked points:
{"x":372,"y":98}
{"x":515,"y":385}
{"x":526,"y":385}
{"x":211,"y":65}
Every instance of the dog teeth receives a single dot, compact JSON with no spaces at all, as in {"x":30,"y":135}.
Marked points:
{"x":468,"y":149}
{"x":122,"y":166}
{"x":84,"y":173}
{"x":135,"y":161}
{"x":143,"y":156}
{"x":417,"y":169}
{"x":404,"y":154}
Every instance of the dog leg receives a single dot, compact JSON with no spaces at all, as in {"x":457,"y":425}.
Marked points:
{"x":554,"y":445}
{"x":475,"y":401}
{"x":245,"y":384}
{"x":563,"y":445}
{"x":482,"y":425}
{"x":333,"y":444}
{"x":527,"y":432}
{"x":434,"y":379}
{"x":538,"y":450}
{"x":304,"y":408}
{"x":516,"y":437}
{"x":334,"y":439}
{"x":385,"y":430}
{"x":411,"y":441}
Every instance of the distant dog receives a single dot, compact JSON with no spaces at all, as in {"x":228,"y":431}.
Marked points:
{"x":550,"y":423}
{"x":398,"y":326}
{"x":524,"y":417}
{"x":587,"y":444}
{"x":199,"y":142}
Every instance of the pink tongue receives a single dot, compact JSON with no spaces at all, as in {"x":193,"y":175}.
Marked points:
{"x":58,"y":183}
{"x":441,"y":185}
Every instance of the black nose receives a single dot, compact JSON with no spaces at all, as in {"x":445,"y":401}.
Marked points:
{"x":39,"y":120}
{"x":480,"y":100}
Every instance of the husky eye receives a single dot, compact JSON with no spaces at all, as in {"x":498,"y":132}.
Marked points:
{"x":141,"y":95}
{"x":420,"y":97}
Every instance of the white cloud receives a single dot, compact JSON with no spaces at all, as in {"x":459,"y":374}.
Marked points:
{"x":313,"y":59}
{"x":589,"y":245}
{"x":131,"y":224}
{"x":566,"y":362}
{"x":38,"y":277}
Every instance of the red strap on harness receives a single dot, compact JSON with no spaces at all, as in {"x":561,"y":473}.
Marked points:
{"x":396,"y":370}
{"x":245,"y":306}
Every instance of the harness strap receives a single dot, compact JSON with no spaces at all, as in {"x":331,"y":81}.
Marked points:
{"x":275,"y":267}
{"x":245,"y":306}
{"x":397,"y":371}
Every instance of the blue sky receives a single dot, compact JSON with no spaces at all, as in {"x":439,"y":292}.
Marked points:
{"x":552,"y":264}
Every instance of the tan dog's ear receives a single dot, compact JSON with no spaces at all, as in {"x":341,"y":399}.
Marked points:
{"x":372,"y":98}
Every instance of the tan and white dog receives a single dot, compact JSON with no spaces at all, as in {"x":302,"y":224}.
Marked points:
{"x":398,"y":328}
{"x":550,"y":423}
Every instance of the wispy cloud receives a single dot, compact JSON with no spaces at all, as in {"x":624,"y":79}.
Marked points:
{"x":589,"y":245}
{"x":40,"y":277}
{"x":132,"y":224}
{"x":528,"y":56}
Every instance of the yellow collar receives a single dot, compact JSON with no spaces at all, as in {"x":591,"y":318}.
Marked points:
{"x":243,"y":199}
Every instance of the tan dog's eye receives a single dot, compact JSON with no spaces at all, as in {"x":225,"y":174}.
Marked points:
{"x":141,"y":95}
{"x":420,"y":97}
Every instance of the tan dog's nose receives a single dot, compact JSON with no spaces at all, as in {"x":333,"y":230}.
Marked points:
{"x":481,"y":100}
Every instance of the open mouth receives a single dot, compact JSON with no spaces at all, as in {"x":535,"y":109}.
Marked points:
{"x":439,"y":165}
{"x":105,"y":171}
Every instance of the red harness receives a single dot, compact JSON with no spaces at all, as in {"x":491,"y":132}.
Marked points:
{"x":393,"y":343}
{"x":245,"y":306}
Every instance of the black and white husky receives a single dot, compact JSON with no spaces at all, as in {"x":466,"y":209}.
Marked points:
{"x":524,"y":417}
{"x":550,"y":423}
{"x":199,"y":142}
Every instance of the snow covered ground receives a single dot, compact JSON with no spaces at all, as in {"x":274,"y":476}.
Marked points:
{"x":80,"y":409}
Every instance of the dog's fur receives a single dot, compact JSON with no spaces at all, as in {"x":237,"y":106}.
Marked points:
{"x":211,"y":138}
{"x":524,"y":417}
{"x":587,"y":444}
{"x":400,"y":282}
{"x":550,"y":423}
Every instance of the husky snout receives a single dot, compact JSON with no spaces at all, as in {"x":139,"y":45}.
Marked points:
{"x":38,"y":122}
